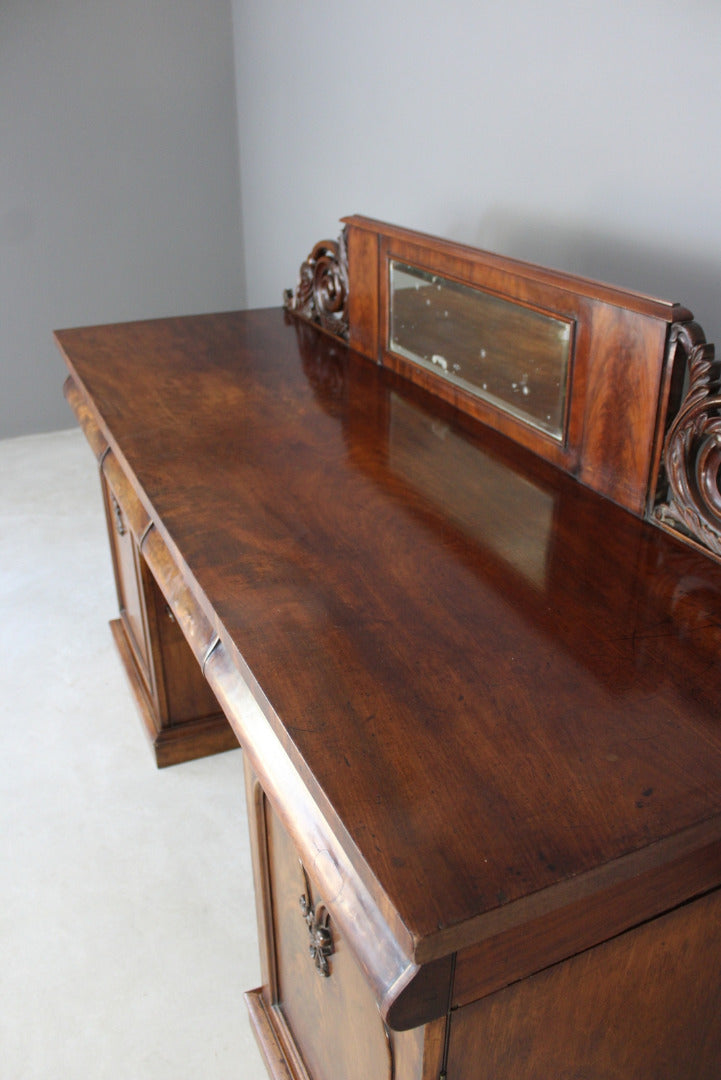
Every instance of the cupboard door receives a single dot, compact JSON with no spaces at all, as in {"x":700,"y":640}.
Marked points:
{"x":128,"y":567}
{"x":323,"y":1011}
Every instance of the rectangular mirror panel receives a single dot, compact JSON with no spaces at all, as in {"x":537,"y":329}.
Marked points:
{"x":508,"y":354}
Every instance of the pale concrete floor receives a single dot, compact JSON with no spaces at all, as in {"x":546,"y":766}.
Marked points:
{"x":127,"y":921}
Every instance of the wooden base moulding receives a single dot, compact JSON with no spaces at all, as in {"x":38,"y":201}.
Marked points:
{"x":183,"y":742}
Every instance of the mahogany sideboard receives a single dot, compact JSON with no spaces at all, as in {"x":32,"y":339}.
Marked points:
{"x":438,"y":544}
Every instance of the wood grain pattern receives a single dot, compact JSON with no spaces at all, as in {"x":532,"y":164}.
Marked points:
{"x":363,"y":297}
{"x":179,"y":712}
{"x":484,"y":730}
{"x":479,"y":702}
{"x":85,"y":418}
{"x":208,"y":732}
{"x":263,"y":1023}
{"x":622,"y":402}
{"x":644,"y":1005}
{"x":478,"y":699}
{"x":316,"y":1009}
{"x":617,"y":388}
{"x":379,"y":942}
{"x":595,"y":290}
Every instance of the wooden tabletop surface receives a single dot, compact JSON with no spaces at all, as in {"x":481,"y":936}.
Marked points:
{"x":500,"y":681}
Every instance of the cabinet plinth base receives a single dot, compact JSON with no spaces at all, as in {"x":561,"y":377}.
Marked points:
{"x":180,"y":742}
{"x":269,"y":1042}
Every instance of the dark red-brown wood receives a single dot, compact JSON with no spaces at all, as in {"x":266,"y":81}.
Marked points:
{"x":645,"y":1005}
{"x":514,"y":726}
{"x":479,"y":696}
{"x":617,"y":390}
{"x":178,"y":709}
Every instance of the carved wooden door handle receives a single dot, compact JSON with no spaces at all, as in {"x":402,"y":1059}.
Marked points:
{"x":118,"y":515}
{"x":317,"y":919}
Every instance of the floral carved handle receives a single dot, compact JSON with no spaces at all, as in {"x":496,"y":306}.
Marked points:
{"x":118,"y":515}
{"x":317,"y":919}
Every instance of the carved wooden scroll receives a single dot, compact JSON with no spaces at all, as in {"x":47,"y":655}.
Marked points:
{"x":321,"y":295}
{"x":691,"y":503}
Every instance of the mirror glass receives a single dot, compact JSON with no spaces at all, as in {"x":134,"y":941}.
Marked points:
{"x":513,"y":356}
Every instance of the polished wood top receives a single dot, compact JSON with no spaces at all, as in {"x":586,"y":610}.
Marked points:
{"x":503,"y":687}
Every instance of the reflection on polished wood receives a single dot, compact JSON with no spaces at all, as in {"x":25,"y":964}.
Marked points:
{"x":478,"y":702}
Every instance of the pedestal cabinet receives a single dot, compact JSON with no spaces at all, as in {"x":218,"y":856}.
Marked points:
{"x":179,"y":711}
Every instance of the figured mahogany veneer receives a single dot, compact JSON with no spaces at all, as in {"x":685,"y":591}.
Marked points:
{"x":477,"y":699}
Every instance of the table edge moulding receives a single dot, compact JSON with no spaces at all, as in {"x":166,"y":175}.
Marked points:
{"x":437,"y":543}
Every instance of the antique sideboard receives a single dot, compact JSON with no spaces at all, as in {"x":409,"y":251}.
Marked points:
{"x":438,"y":543}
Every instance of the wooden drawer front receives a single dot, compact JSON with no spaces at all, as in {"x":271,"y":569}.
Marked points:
{"x":329,"y":1015}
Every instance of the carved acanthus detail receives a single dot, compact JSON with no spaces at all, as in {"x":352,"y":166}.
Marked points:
{"x":692,"y":450}
{"x":321,"y":295}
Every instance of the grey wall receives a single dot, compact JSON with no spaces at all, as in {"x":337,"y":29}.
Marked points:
{"x":580,"y":134}
{"x":119,"y":191}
